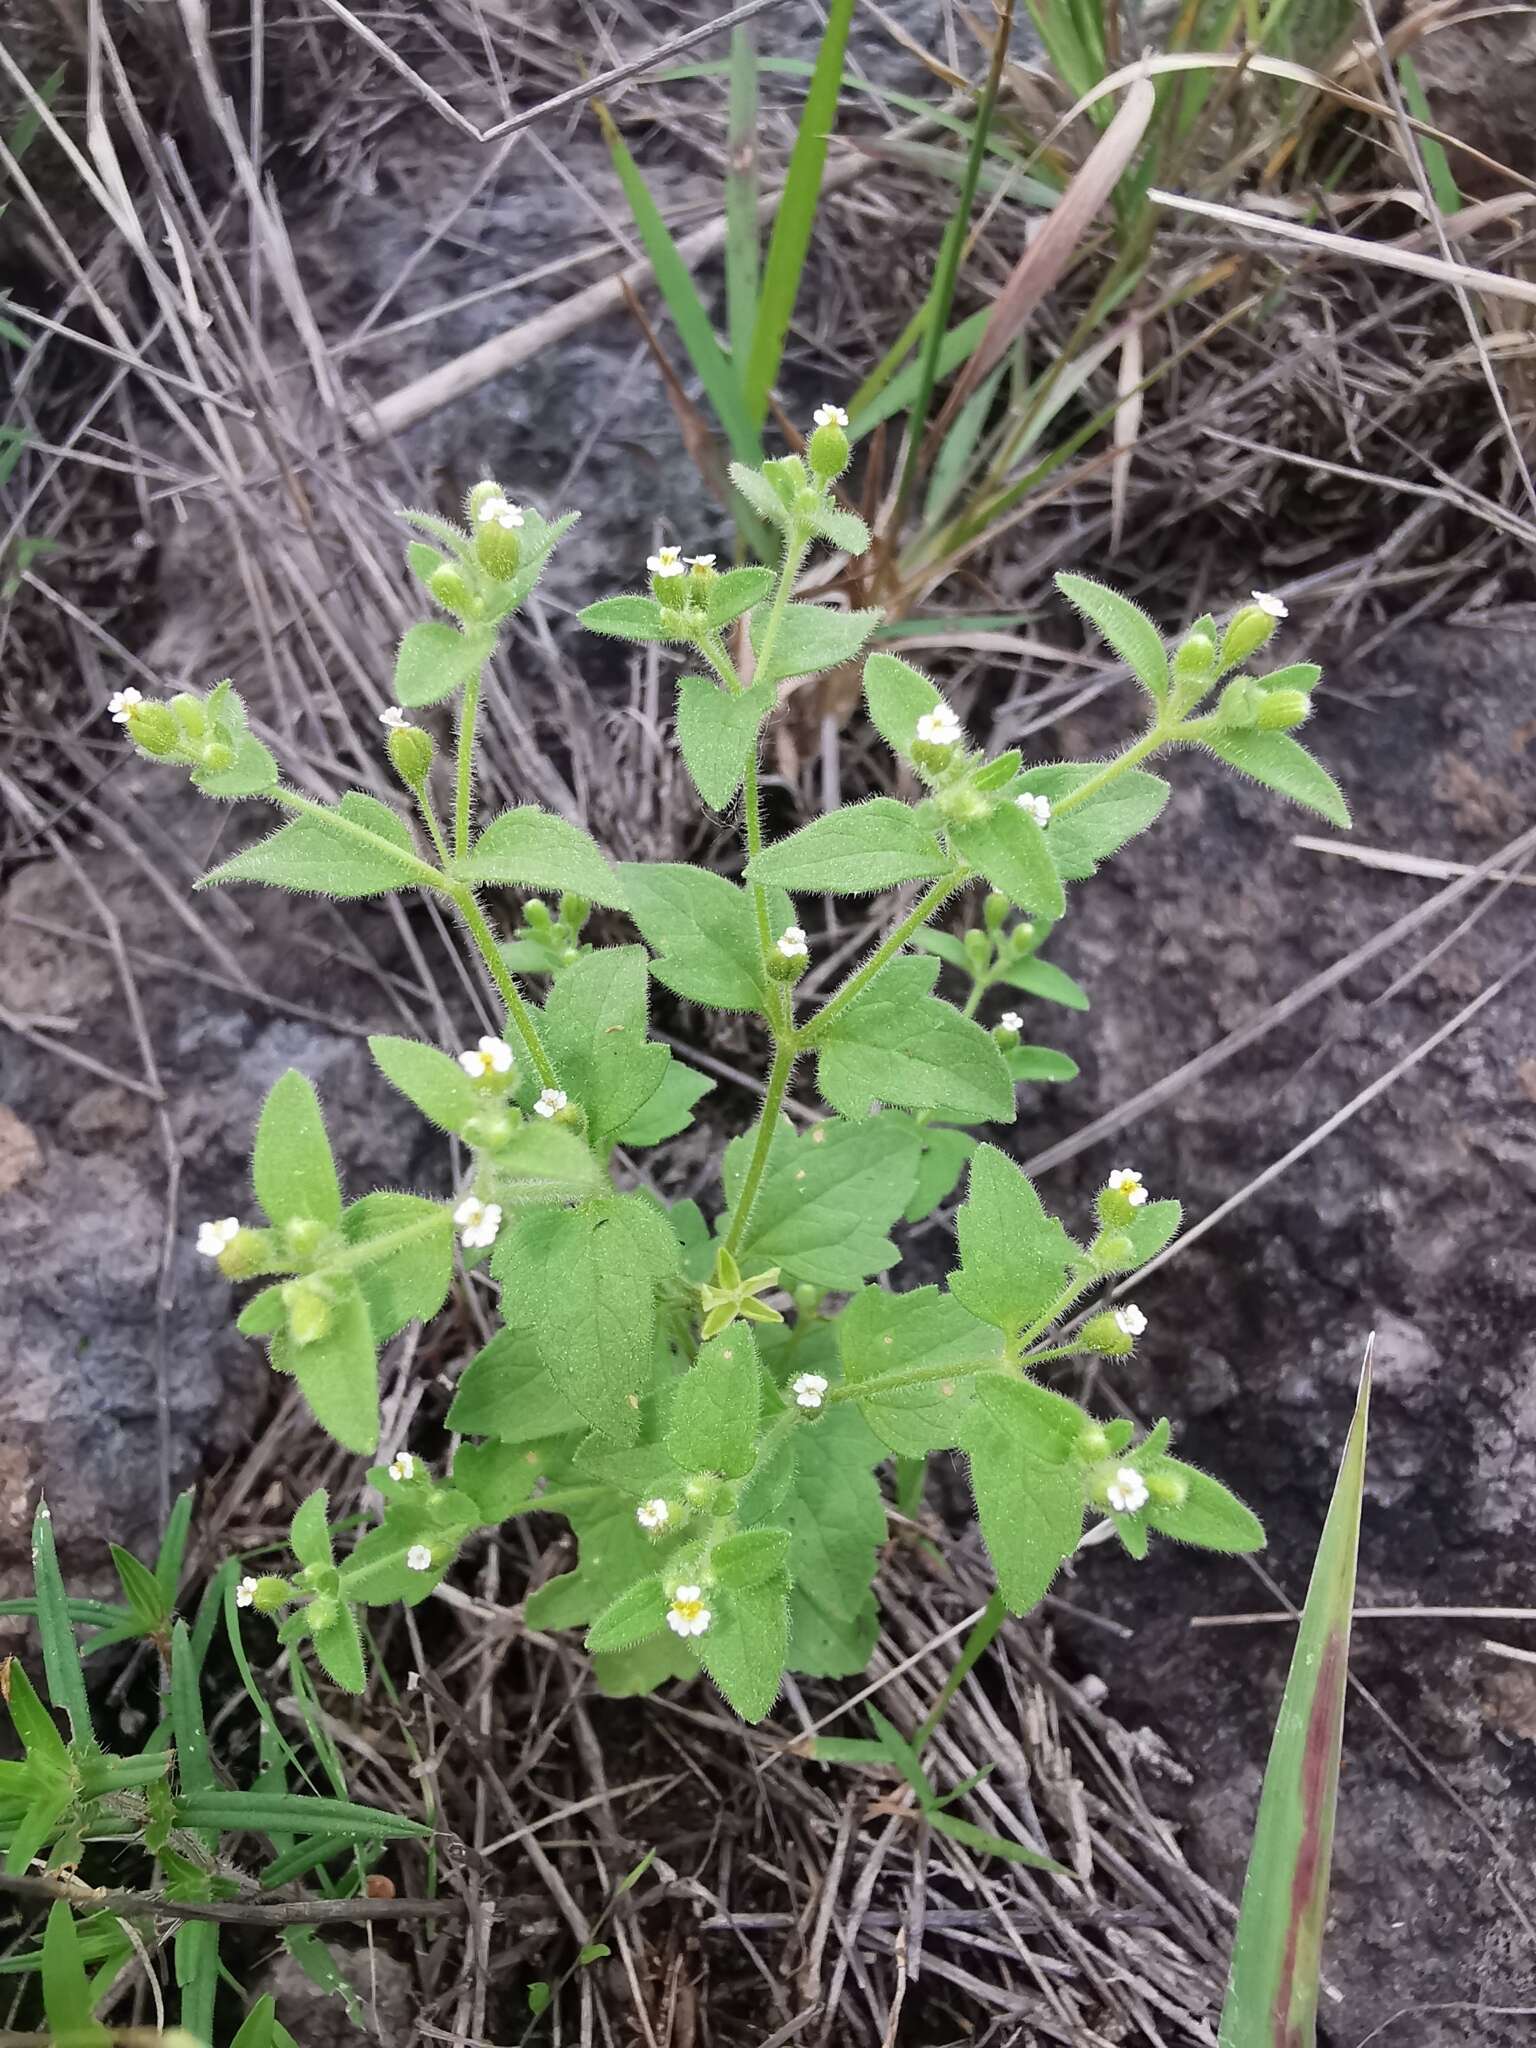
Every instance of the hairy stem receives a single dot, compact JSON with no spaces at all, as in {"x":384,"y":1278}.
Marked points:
{"x":517,"y":1010}
{"x":889,"y":946}
{"x":424,"y":875}
{"x":767,"y":1124}
{"x":1157,"y":736}
{"x":464,"y":790}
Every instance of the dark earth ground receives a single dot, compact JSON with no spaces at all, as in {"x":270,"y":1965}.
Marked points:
{"x":1412,"y":1219}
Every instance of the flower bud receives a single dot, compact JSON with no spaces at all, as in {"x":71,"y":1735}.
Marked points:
{"x":490,"y":1130}
{"x":1195,"y":659}
{"x":536,"y":914}
{"x":961,"y":805}
{"x":701,"y":573}
{"x":271,"y":1593}
{"x":1237,"y":708}
{"x":480,"y":496}
{"x":309,"y":1311}
{"x":1103,"y":1334}
{"x":450,"y":586}
{"x":1114,"y":1251}
{"x":790,"y":954}
{"x":1279,"y":710}
{"x":303,"y":1236}
{"x":995,"y":911}
{"x":574,"y":912}
{"x":411,"y":753}
{"x":323,"y":1611}
{"x":808,"y":1299}
{"x":1006,"y":1030}
{"x":248,"y":1252}
{"x":498,"y":545}
{"x":189,"y":714}
{"x":978,"y":949}
{"x":829,"y":444}
{"x":1092,"y":1445}
{"x":215,"y":756}
{"x":1021,"y":939}
{"x":1168,"y":1489}
{"x":1248,"y":630}
{"x":153,"y":730}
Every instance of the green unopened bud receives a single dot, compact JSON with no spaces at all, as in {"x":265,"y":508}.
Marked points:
{"x":1250,"y":627}
{"x":248,"y":1252}
{"x":961,"y":805}
{"x":829,"y":444}
{"x":1237,"y":708}
{"x":1007,"y":1029}
{"x":189,"y":714}
{"x":1092,"y":1445}
{"x":498,"y":538}
{"x":978,"y":948}
{"x":995,"y":911}
{"x":270,"y":1594}
{"x":304,"y":1235}
{"x":153,"y":730}
{"x":574,"y":912}
{"x":1105,"y":1334}
{"x":411,"y":753}
{"x":701,"y":573}
{"x":1114,"y":1251}
{"x":1021,"y":939}
{"x":536,"y":914}
{"x":450,"y":586}
{"x":323,"y":1611}
{"x":700,"y":1491}
{"x":215,"y":756}
{"x":808,"y":1299}
{"x":1279,"y":710}
{"x":491,"y":1129}
{"x":1168,"y":1489}
{"x":1195,"y":659}
{"x":310,"y":1314}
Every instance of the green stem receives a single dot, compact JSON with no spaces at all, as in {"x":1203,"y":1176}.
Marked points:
{"x":463,"y":793}
{"x":916,"y":1376}
{"x":517,"y":1010}
{"x":424,"y":875}
{"x":429,"y":819}
{"x":796,"y":539}
{"x":767,"y":1124}
{"x":375,"y":1248}
{"x":977,"y":1643}
{"x":892,"y":944}
{"x":1157,"y":736}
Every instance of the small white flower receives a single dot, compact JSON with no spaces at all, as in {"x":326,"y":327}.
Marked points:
{"x":1010,"y":1020}
{"x":830,"y":416}
{"x":1127,"y":1491}
{"x":1125,"y":1180}
{"x":213,"y":1238}
{"x":809,"y":1390}
{"x":123,"y":704}
{"x":418,"y":1558}
{"x":938,"y":727}
{"x":478,"y":1222}
{"x":550,"y":1103}
{"x":394,"y":719}
{"x":402,"y":1468}
{"x":701,"y":561}
{"x":653,"y":1514}
{"x":245,"y":1593}
{"x":1036,"y":807}
{"x":490,"y":1056}
{"x":1130,"y":1321}
{"x":1274,"y":607}
{"x":688,"y":1616}
{"x":792,"y":943}
{"x":665,"y":562}
{"x":497,"y":512}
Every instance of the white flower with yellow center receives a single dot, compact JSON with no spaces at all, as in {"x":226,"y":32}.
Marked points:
{"x":809,"y":1390}
{"x":1125,"y":1180}
{"x":123,"y":704}
{"x":402,"y":1469}
{"x":687,"y":1615}
{"x":938,"y":727}
{"x":214,"y":1238}
{"x":830,"y":416}
{"x":1036,"y":807}
{"x":490,"y":1056}
{"x":1272,"y":607}
{"x":550,"y":1103}
{"x":498,"y":512}
{"x":1130,"y":1321}
{"x":665,"y":562}
{"x":394,"y":719}
{"x":792,"y":943}
{"x":478,"y":1222}
{"x":701,"y":561}
{"x":653,"y":1514}
{"x":419,"y":1558}
{"x":245,"y":1593}
{"x":1127,"y":1491}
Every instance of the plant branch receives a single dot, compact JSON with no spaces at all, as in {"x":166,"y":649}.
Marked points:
{"x":425,"y":876}
{"x":1159,"y":735}
{"x":517,"y":1010}
{"x":773,"y":1101}
{"x":224,"y":1912}
{"x":888,"y":947}
{"x":464,"y":787}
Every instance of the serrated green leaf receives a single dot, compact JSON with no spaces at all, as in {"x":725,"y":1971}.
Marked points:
{"x":879,"y":1334}
{"x":409,"y":1283}
{"x":1030,"y":1507}
{"x":507,"y":1392}
{"x":1046,"y":983}
{"x":836,"y":1521}
{"x":746,"y":1645}
{"x":1039,"y":1063}
{"x":309,"y":1533}
{"x":292,"y":1170}
{"x":1126,"y":628}
{"x":1209,"y":1516}
{"x":713,"y":1414}
{"x":438,"y":1085}
{"x":582,"y":1282}
{"x":338,"y":1373}
{"x":897,"y":1043}
{"x":736,"y":591}
{"x":528,"y":848}
{"x":629,"y":618}
{"x":339,"y":1646}
{"x":359,"y":849}
{"x":500,"y":1478}
{"x":750,"y":1557}
{"x":703,"y":932}
{"x":542,"y":1163}
{"x":1010,"y":849}
{"x":1284,"y":765}
{"x":851,"y":852}
{"x":843,"y":530}
{"x":594,"y":1030}
{"x":1100,"y":826}
{"x":946,"y":1154}
{"x":810,"y":638}
{"x":379,"y":1571}
{"x":717,"y":731}
{"x":435,"y":659}
{"x":897,"y":695}
{"x":670,"y":1109}
{"x":637,"y":1614}
{"x":759,"y":494}
{"x":1014,"y":1259}
{"x":613,"y":1551}
{"x":827,"y":1200}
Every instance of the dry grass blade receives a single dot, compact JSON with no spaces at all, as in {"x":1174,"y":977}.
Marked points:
{"x":1049,"y":253}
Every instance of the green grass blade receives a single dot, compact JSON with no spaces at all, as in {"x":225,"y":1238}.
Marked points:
{"x":173,"y":1546}
{"x":61,"y":1659}
{"x":66,"y":1988}
{"x":1276,"y":1961}
{"x":796,"y":216}
{"x":742,"y":255}
{"x":675,"y":283}
{"x":1437,"y":166}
